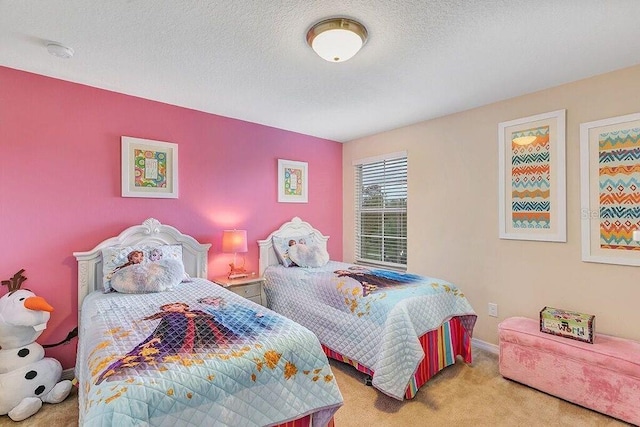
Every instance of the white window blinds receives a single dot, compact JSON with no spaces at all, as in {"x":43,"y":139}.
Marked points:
{"x":381,"y":210}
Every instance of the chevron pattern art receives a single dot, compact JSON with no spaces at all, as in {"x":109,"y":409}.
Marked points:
{"x":619,"y":188}
{"x":531,"y":180}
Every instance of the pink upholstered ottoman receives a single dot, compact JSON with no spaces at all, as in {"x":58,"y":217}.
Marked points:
{"x":603,"y":376}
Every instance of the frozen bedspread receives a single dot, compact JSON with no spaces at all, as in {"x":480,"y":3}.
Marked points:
{"x":197,"y":356}
{"x":372,"y":316}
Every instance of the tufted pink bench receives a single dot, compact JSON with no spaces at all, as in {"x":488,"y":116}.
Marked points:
{"x":603,"y":376}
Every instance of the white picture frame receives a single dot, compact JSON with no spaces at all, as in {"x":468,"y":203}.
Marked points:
{"x":609,"y":190}
{"x":149,"y":168}
{"x":293,"y":181}
{"x":532,"y":194}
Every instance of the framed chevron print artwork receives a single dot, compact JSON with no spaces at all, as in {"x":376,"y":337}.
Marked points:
{"x":610,"y":189}
{"x":532,"y":178}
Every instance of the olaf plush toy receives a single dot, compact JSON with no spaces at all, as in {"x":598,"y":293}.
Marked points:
{"x":27,"y":378}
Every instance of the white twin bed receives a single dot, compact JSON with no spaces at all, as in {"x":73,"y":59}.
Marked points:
{"x":193,"y":354}
{"x":399,"y":328}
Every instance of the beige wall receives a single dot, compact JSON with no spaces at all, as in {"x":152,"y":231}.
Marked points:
{"x":453,"y":210}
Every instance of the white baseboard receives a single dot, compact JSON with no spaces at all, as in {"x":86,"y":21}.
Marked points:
{"x":68,"y":374}
{"x":483,"y":345}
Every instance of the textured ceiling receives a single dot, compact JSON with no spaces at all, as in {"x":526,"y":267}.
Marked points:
{"x":248,"y":59}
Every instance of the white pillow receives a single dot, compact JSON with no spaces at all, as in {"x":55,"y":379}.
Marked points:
{"x":114,"y":258}
{"x":308,"y":255}
{"x":157,"y":276}
{"x":281,"y":246}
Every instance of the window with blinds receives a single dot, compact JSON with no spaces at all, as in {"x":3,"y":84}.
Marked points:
{"x":381,"y":210}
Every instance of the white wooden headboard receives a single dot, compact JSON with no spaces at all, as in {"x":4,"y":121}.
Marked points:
{"x":295,"y":227}
{"x":151,"y":232}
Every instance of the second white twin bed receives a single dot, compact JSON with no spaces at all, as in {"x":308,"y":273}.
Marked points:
{"x":399,"y":328}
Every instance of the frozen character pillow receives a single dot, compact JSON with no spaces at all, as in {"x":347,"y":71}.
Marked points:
{"x":139,"y":278}
{"x":282,"y":245}
{"x":308,"y":255}
{"x":116,"y":258}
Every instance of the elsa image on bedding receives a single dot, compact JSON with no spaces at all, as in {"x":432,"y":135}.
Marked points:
{"x":155,"y":254}
{"x":243,"y":321}
{"x":181,"y":330}
{"x":373,"y":280}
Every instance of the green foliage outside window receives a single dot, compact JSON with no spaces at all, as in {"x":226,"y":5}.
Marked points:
{"x":382,"y":213}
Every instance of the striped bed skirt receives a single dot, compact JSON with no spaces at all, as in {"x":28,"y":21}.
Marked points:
{"x":441,"y":346}
{"x":304,"y":422}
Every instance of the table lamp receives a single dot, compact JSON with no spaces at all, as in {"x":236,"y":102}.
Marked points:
{"x":234,"y":241}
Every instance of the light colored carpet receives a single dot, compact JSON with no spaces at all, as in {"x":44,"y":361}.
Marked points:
{"x":461,"y":395}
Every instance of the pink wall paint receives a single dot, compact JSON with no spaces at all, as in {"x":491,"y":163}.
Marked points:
{"x":60,"y":183}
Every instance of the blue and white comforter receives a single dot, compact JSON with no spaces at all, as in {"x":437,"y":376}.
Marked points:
{"x":371,"y":316}
{"x":197,"y":356}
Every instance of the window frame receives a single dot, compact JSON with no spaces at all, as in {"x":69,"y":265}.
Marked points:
{"x":384,"y":210}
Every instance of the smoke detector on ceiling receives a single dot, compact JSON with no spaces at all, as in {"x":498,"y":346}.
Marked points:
{"x":59,"y":50}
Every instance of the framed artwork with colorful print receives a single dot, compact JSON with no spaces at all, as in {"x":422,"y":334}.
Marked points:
{"x":610,"y":190}
{"x":293,"y":181}
{"x":149,"y":168}
{"x":532,"y":178}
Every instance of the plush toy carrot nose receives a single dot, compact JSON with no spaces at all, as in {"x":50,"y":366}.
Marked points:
{"x":38,"y":304}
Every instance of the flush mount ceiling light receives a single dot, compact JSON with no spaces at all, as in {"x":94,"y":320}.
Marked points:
{"x":59,"y":50}
{"x":337,"y":39}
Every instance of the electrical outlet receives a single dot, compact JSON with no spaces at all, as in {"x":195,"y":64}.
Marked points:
{"x":493,"y":309}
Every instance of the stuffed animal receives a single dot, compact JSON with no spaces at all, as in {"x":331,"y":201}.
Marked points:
{"x":27,"y":378}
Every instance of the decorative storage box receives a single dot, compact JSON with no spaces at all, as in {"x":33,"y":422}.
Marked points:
{"x":570,"y":324}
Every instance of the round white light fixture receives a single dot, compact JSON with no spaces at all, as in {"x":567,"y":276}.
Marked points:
{"x":61,"y":51}
{"x":337,"y":39}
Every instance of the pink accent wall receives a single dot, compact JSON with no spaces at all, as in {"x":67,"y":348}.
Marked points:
{"x":60,"y":183}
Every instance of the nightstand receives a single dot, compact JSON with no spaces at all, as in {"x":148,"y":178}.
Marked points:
{"x":249,"y":287}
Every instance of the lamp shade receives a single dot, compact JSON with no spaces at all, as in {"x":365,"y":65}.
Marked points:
{"x":234,"y":241}
{"x":337,"y":39}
